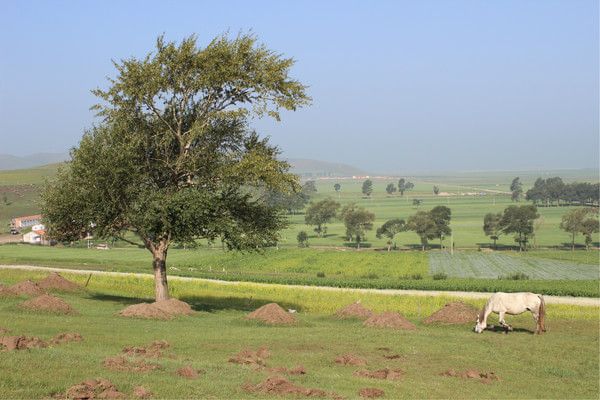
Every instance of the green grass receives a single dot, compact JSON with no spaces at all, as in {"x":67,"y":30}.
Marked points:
{"x":565,"y":359}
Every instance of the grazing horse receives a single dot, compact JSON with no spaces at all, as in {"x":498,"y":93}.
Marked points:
{"x":513,"y":304}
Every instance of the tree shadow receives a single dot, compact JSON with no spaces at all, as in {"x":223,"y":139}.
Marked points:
{"x":498,"y":246}
{"x":125,"y":301}
{"x":363,"y":245}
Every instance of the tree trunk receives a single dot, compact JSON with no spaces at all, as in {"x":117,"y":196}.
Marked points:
{"x":159,"y":264}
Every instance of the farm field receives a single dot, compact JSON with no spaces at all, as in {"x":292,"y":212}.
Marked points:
{"x":565,"y":357}
{"x":318,"y":267}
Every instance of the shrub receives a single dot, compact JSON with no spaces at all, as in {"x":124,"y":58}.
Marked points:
{"x":320,"y":274}
{"x":416,"y":276}
{"x":439,"y":276}
{"x":302,"y":239}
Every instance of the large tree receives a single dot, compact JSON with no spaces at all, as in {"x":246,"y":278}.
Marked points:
{"x":491,"y":226}
{"x":579,"y":220}
{"x":173,"y":158}
{"x":423,"y":225}
{"x":516,"y":188}
{"x":357,"y":221}
{"x":367,"y":188}
{"x":321,"y":213}
{"x":390,"y":229}
{"x":519,"y":220}
{"x":441,"y":216}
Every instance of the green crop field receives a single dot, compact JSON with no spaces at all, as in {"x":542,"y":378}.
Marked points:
{"x":565,"y":359}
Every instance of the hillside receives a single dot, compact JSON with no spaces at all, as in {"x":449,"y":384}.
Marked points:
{"x":307,"y":168}
{"x":10,"y":162}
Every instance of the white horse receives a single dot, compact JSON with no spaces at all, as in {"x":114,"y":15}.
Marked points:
{"x":513,"y":304}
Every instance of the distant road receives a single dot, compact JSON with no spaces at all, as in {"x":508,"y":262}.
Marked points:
{"x":578,"y":301}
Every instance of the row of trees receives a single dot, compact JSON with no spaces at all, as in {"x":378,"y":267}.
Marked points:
{"x":553,"y":191}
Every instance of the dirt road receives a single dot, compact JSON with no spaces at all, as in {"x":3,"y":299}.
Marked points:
{"x":579,"y":301}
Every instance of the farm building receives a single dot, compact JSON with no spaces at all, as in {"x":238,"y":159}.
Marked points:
{"x":36,"y":236}
{"x":26,"y":221}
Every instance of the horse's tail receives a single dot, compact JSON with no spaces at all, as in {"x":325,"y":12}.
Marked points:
{"x":541,"y":315}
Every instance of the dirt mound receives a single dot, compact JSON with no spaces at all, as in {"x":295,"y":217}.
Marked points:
{"x":278,"y":385}
{"x":94,"y":389}
{"x":26,"y":288}
{"x":141,"y":392}
{"x":453,"y":313}
{"x":350,"y":359}
{"x":48,"y":303}
{"x":389,"y":320}
{"x":354,"y":310}
{"x":55,"y":281}
{"x":21,"y":343}
{"x":272,"y":314}
{"x":120,"y":363}
{"x":371,"y":393}
{"x":164,"y":309}
{"x":252,"y":358}
{"x":386,"y":373}
{"x":483,"y":377}
{"x":153,"y":350}
{"x":5,"y":291}
{"x":66,"y":337}
{"x":189,"y":372}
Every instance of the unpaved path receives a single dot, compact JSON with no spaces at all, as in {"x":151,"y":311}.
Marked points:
{"x":578,"y":301}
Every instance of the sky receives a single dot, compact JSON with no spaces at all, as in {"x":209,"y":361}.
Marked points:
{"x":396,"y":85}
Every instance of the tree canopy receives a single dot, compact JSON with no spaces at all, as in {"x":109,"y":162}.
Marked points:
{"x":390,"y":229}
{"x":491,"y":226}
{"x":519,"y":220}
{"x":357,"y":221}
{"x":367,"y":187}
{"x":321,"y":213}
{"x":580,"y":220}
{"x":173,"y":158}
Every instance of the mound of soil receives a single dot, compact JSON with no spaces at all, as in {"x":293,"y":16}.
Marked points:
{"x":386,"y":373}
{"x":272,"y":314}
{"x":94,"y":389}
{"x":252,"y":358}
{"x":48,"y":303}
{"x":453,"y":313}
{"x":371,"y":393}
{"x":389,"y":320}
{"x":189,"y":372}
{"x":483,"y":377}
{"x":354,"y":310}
{"x":55,"y":281}
{"x":153,"y":350}
{"x":164,"y":309}
{"x":21,"y":343}
{"x":141,"y":392}
{"x":278,"y":385}
{"x":350,"y":359}
{"x":120,"y":363}
{"x":5,"y":291}
{"x":66,"y":337}
{"x":26,"y":288}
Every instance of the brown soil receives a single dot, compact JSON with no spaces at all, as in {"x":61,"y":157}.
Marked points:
{"x":272,"y":314}
{"x":165,"y":309}
{"x":483,"y":377}
{"x":141,"y":392}
{"x":21,"y":343}
{"x":66,"y":337}
{"x":252,"y":358}
{"x":26,"y":288}
{"x":350,"y":359}
{"x":354,"y":310}
{"x":153,"y":350}
{"x":94,"y":389}
{"x":386,"y":373}
{"x":120,"y":363}
{"x":5,"y":291}
{"x":371,"y":393}
{"x":189,"y":372}
{"x":48,"y":303}
{"x":453,"y":313}
{"x":389,"y":320}
{"x":55,"y":281}
{"x":278,"y":385}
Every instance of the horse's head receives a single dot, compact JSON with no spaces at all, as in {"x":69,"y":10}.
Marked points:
{"x":480,"y":325}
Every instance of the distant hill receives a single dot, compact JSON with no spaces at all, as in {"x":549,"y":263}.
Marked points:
{"x":8,"y":161}
{"x":318,"y":169}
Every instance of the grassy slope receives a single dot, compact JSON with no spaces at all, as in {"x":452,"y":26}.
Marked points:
{"x":565,"y":359}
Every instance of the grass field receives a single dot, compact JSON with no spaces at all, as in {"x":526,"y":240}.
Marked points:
{"x":560,"y":364}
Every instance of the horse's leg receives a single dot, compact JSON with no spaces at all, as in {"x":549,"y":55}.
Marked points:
{"x":536,"y":318}
{"x":503,"y":322}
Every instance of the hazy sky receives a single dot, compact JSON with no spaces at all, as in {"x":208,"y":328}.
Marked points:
{"x":397,"y":85}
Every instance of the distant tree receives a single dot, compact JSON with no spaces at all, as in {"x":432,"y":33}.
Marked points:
{"x":302,"y":239}
{"x":436,"y":190}
{"x":516,"y":187}
{"x":401,"y":186}
{"x":519,"y":220}
{"x":491,"y":226}
{"x":390,"y":188}
{"x":390,"y":229}
{"x":309,"y":188}
{"x":580,"y":220}
{"x":423,"y":225}
{"x":538,"y":192}
{"x":367,"y":187}
{"x":337,"y":187}
{"x":292,"y":202}
{"x":548,"y":191}
{"x":417,"y":202}
{"x":590,"y":226}
{"x":441,"y":216}
{"x":357,"y":221}
{"x":173,"y":159}
{"x":321,"y":213}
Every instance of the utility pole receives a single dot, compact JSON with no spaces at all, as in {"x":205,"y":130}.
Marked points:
{"x":451,"y":243}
